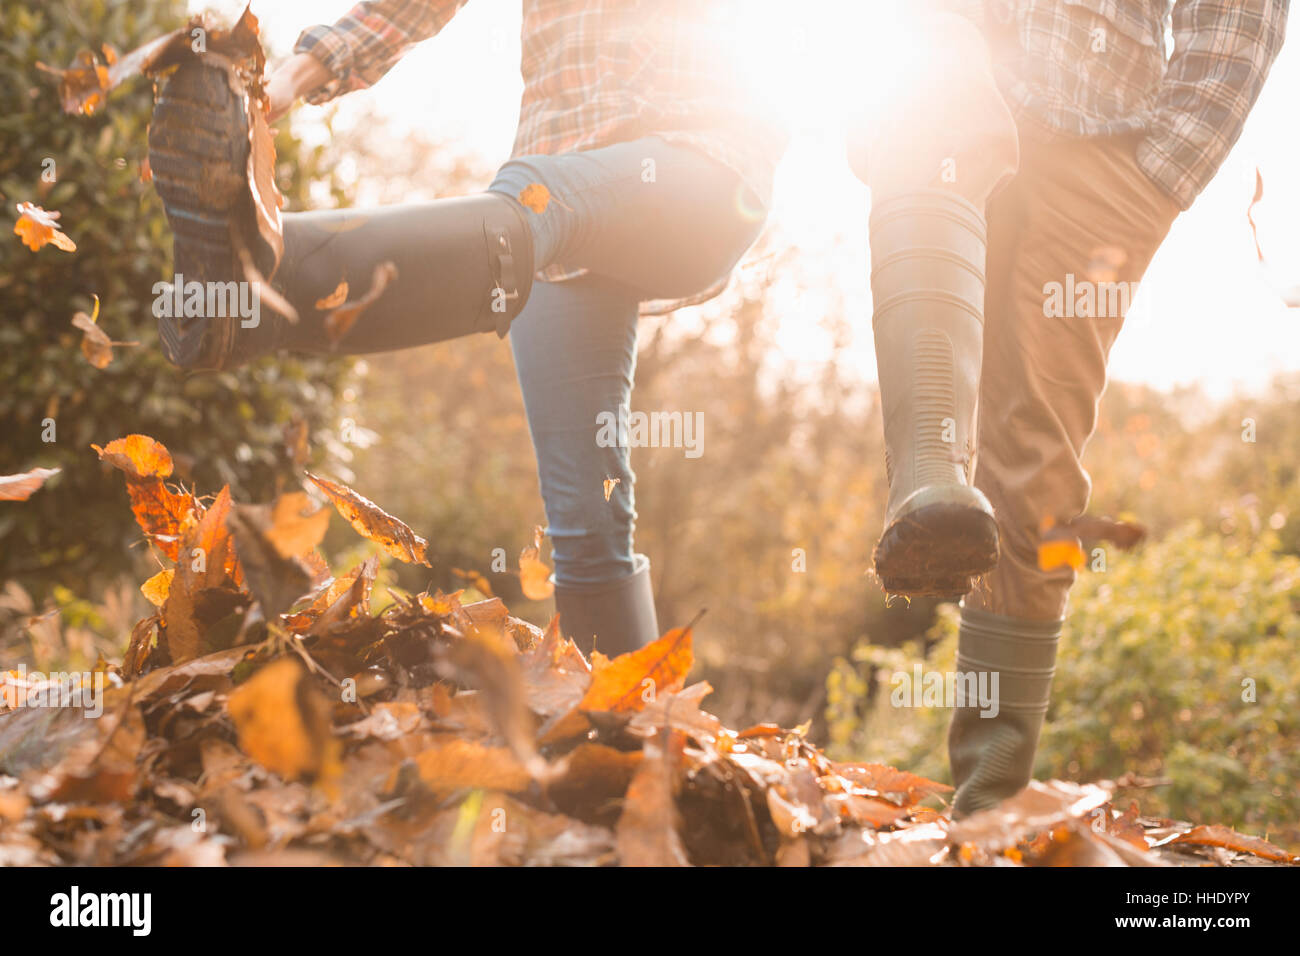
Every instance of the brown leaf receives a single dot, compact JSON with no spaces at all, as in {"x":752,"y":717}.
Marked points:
{"x":511,"y":833}
{"x":335,"y":298}
{"x":1091,"y":529}
{"x":204,"y":555}
{"x":898,"y":786}
{"x":374,"y":523}
{"x":344,"y":315}
{"x":648,"y":827}
{"x":488,"y":661}
{"x":276,"y":580}
{"x":1229,"y":839}
{"x":283,"y":722}
{"x":457,"y":763}
{"x":21,"y":487}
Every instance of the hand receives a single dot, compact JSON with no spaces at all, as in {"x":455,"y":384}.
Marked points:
{"x":293,"y":79}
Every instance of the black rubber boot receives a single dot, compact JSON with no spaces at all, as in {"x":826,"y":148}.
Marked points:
{"x":992,"y":757}
{"x":198,"y":155}
{"x":462,"y":265}
{"x":927,"y":283}
{"x":613,"y":618}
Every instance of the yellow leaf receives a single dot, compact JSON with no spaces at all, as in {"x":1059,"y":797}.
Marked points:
{"x":536,"y":197}
{"x":534,"y":573}
{"x":157,"y":587}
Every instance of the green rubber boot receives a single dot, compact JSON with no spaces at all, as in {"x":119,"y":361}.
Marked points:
{"x":992,"y":757}
{"x":927,"y":282}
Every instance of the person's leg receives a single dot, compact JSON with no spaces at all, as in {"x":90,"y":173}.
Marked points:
{"x":575,"y":353}
{"x":1077,"y":213}
{"x":943,"y":143}
{"x":664,"y":219}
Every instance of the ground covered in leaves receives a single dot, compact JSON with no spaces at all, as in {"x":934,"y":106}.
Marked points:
{"x":268,"y":714}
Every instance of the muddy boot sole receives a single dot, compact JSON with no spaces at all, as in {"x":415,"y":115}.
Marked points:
{"x":938,"y":550}
{"x":198,"y":154}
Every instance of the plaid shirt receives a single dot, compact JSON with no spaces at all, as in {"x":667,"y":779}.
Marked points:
{"x":596,"y":72}
{"x":1100,"y":68}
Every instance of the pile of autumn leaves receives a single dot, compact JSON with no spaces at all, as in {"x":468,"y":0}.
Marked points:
{"x":267,"y":714}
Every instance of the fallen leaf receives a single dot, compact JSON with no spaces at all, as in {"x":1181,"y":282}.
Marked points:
{"x":95,"y":343}
{"x":156,"y":588}
{"x":335,"y":298}
{"x":631,"y":681}
{"x":534,"y":573}
{"x":536,"y":197}
{"x":1230,"y":839}
{"x":457,"y":763}
{"x":648,"y":827}
{"x":297,"y":525}
{"x":344,"y":315}
{"x":21,"y":487}
{"x":38,"y":228}
{"x":276,"y":580}
{"x":375,"y":524}
{"x":283,"y":722}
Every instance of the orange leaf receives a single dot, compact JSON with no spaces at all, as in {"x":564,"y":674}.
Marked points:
{"x":536,"y":197}
{"x":138,"y":455}
{"x":297,"y":525}
{"x":631,"y":681}
{"x":1230,"y":839}
{"x":160,"y":512}
{"x":374,"y":523}
{"x":21,"y":487}
{"x":37,"y":228}
{"x":345,"y":314}
{"x":534,"y":573}
{"x":335,"y":298}
{"x":461,"y":763}
{"x":283,"y":722}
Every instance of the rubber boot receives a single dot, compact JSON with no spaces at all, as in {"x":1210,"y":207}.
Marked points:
{"x":612,"y":618}
{"x":462,"y":265}
{"x":992,"y":757}
{"x":927,"y":282}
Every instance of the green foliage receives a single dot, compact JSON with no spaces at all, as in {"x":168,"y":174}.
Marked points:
{"x":1177,"y":664}
{"x":223,"y":428}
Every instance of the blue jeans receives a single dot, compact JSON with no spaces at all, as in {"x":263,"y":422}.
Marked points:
{"x":649,"y":220}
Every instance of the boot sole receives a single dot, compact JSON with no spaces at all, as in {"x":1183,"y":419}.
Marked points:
{"x":198,"y":154}
{"x":938,"y":550}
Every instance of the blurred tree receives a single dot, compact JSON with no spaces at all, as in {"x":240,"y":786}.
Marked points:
{"x":223,"y":428}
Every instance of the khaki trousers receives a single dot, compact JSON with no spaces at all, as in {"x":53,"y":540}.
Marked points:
{"x":1076,"y":213}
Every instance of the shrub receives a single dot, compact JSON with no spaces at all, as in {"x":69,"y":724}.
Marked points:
{"x":1177,"y":664}
{"x":226,"y":427}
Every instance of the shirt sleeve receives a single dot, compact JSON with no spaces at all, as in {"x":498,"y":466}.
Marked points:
{"x":369,"y":40}
{"x":1223,"y":50}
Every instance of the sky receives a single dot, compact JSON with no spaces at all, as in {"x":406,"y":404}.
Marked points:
{"x":1209,"y":312}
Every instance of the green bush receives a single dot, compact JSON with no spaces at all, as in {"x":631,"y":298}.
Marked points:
{"x":1178,"y":664}
{"x":224,"y":428}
